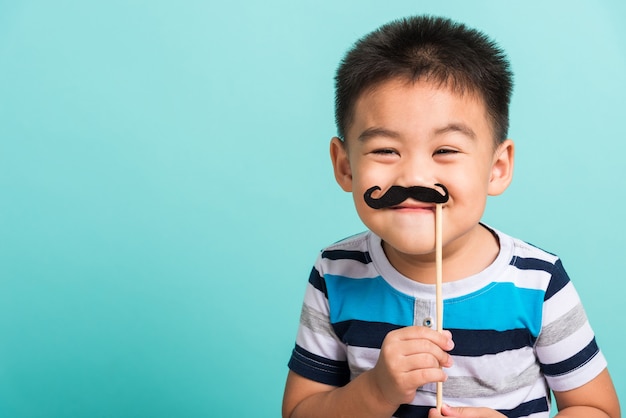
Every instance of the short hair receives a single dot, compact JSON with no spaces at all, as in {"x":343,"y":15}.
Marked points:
{"x":428,"y":48}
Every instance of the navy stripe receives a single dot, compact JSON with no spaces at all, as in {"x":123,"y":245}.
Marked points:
{"x":559,"y":277}
{"x":527,"y":408}
{"x":474,"y":343}
{"x":532,"y":264}
{"x":318,"y":282}
{"x":412,"y":411}
{"x":363,"y":333}
{"x":363,"y":257}
{"x":572,"y":363}
{"x":558,"y":281}
{"x":319,"y":369}
{"x":469,"y":343}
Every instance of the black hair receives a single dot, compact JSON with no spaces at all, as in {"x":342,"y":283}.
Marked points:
{"x":428,"y":48}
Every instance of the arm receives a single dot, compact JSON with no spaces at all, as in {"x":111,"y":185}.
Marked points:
{"x":306,"y":398}
{"x":594,"y":399}
{"x":409,"y":358}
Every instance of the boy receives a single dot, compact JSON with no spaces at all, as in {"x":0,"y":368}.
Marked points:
{"x":424,"y":102}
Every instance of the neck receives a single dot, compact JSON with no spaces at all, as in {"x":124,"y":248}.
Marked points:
{"x":462,"y":257}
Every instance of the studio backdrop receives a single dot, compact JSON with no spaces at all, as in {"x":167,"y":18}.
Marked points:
{"x":165,"y":187}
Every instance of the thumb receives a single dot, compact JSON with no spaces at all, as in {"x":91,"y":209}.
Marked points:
{"x":459,"y":412}
{"x":468,"y":412}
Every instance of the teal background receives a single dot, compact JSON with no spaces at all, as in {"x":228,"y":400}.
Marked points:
{"x":165,"y":187}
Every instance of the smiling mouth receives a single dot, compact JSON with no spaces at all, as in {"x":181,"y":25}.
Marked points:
{"x":416,"y":208}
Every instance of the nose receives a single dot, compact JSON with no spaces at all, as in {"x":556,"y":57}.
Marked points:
{"x":416,"y":170}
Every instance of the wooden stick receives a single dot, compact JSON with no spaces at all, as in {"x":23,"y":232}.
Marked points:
{"x":439,"y":293}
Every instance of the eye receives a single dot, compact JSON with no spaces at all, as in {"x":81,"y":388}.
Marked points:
{"x":384,"y":155}
{"x":445,"y":151}
{"x":385,"y":151}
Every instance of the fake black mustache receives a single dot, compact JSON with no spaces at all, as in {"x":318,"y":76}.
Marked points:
{"x":398,"y":194}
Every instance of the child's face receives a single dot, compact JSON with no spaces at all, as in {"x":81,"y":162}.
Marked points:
{"x":419,"y":134}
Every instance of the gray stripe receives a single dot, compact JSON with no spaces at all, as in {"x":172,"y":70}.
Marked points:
{"x":316,"y":321}
{"x":473,"y":387}
{"x":421,"y":310}
{"x":563,"y":327}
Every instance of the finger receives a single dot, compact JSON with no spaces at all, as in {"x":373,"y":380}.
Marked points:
{"x":433,"y":413}
{"x":435,"y":358}
{"x":421,"y":361}
{"x":449,"y":411}
{"x":442,"y":339}
{"x":420,"y":377}
{"x":414,"y":351}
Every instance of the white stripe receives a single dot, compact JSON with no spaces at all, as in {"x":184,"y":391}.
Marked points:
{"x":560,"y":303}
{"x":491,"y":366}
{"x":361,"y":359}
{"x":524,"y":250}
{"x":322,"y":345}
{"x":580,"y":376}
{"x":315,"y":299}
{"x":525,"y":279}
{"x":567,"y":347}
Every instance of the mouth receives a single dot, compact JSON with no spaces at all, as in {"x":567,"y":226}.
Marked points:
{"x":413,"y":208}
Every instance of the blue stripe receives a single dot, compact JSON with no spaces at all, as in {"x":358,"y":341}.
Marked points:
{"x":319,"y":369}
{"x":363,"y":257}
{"x":498,"y":307}
{"x":363,"y":334}
{"x":476,"y":343}
{"x":371,"y":299}
{"x":558,"y":281}
{"x":572,"y":363}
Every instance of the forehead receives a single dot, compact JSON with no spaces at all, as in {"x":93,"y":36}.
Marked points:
{"x":417,"y":108}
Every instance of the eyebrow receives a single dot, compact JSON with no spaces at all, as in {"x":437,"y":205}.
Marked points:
{"x":370,"y":133}
{"x":373,"y":132}
{"x":457,"y":127}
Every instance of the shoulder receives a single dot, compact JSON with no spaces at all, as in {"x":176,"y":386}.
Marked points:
{"x":352,"y":248}
{"x":350,"y":257}
{"x":534,"y":266}
{"x":523,"y":249}
{"x":353,"y":242}
{"x":525,"y":255}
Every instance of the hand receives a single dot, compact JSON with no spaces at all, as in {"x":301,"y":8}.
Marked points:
{"x":409,"y":358}
{"x":464,"y":412}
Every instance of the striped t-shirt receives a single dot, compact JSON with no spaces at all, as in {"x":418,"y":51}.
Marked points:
{"x":518,"y":326}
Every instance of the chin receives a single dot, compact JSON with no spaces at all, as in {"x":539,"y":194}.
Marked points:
{"x":416,"y":249}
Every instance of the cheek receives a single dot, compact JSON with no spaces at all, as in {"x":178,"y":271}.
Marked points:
{"x":471,"y":178}
{"x":362,"y":181}
{"x":364,"y":212}
{"x":366,"y":175}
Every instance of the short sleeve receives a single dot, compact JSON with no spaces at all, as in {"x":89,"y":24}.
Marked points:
{"x":566,"y":347}
{"x":318,"y":355}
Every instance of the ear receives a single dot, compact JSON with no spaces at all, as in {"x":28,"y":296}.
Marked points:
{"x":341,"y":164}
{"x":502,"y":168}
